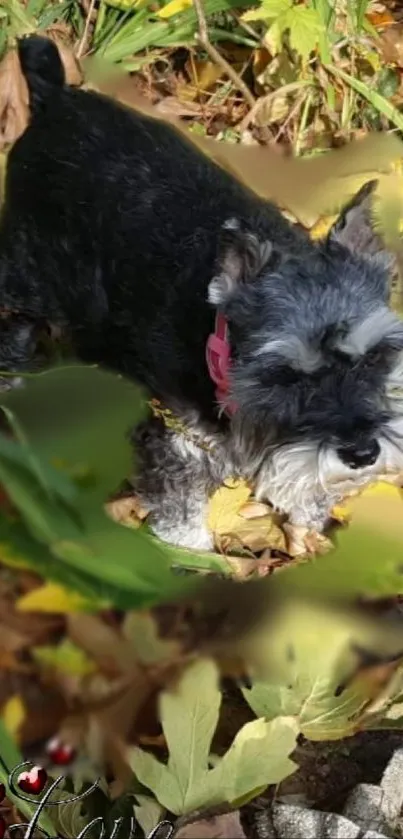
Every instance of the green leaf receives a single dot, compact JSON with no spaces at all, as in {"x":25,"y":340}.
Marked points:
{"x":303,"y":23}
{"x":132,"y":561}
{"x":313,"y":670}
{"x":257,"y":757}
{"x":46,"y":514}
{"x":65,"y":657}
{"x":69,"y":818}
{"x":140,"y":628}
{"x":268,"y":10}
{"x":105,"y":562}
{"x":365,"y":563}
{"x":72,"y":817}
{"x":372,"y":96}
{"x":148,"y":813}
{"x":305,"y":29}
{"x":78,"y":418}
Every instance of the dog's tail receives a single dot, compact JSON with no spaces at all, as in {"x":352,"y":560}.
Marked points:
{"x":42,"y":67}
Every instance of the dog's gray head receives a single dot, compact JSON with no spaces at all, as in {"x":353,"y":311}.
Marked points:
{"x":318,"y":357}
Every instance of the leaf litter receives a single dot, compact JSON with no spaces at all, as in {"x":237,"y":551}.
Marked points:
{"x":111,"y":672}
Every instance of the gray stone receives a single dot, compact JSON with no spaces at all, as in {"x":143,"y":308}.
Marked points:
{"x":392,"y":788}
{"x":371,"y":812}
{"x":373,"y":834}
{"x":299,"y":823}
{"x":364,"y":807}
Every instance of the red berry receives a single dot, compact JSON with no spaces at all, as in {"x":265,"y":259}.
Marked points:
{"x":2,"y":793}
{"x":33,"y":781}
{"x":3,"y":826}
{"x":61,"y":754}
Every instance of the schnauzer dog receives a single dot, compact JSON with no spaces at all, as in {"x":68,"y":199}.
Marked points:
{"x":278,"y":357}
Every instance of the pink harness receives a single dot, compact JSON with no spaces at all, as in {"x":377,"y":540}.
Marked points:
{"x":218,"y":357}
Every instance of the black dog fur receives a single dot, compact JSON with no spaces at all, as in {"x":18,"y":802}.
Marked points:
{"x":112,"y":228}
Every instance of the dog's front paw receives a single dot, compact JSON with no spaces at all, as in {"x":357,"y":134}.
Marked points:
{"x":11,"y":383}
{"x":187,"y":535}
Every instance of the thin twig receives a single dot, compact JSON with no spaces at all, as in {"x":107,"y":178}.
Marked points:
{"x":290,"y":116}
{"x":203,"y":39}
{"x":249,"y":29}
{"x":84,"y":38}
{"x":265,"y":100}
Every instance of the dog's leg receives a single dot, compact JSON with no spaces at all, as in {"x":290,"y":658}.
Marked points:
{"x":174,"y":482}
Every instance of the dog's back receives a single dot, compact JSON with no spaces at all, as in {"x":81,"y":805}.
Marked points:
{"x":111,"y":224}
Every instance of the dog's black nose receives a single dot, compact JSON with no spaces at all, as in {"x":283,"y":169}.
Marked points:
{"x":360,"y":455}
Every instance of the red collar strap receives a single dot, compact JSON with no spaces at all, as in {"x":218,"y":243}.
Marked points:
{"x":218,"y":357}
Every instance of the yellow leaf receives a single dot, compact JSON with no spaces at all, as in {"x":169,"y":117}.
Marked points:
{"x":382,"y":489}
{"x":11,"y":559}
{"x":54,"y":599}
{"x":237,"y":524}
{"x":13,"y":715}
{"x":341,"y":513}
{"x":321,"y":228}
{"x":225,"y":504}
{"x":203,"y":74}
{"x":174,"y":7}
{"x":379,"y":506}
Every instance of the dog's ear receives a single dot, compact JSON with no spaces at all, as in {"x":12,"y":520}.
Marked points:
{"x":242,"y":255}
{"x":355,"y":229}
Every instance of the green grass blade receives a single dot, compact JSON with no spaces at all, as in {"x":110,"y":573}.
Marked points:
{"x":138,"y":35}
{"x":375,"y":99}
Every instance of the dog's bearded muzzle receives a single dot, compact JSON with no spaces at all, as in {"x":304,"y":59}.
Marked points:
{"x":305,"y":479}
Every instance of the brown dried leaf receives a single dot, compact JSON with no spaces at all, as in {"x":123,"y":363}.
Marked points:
{"x":391,"y":45}
{"x":47,"y":709}
{"x":110,"y":650}
{"x":224,"y":826}
{"x":71,"y":66}
{"x":254,"y":534}
{"x":254,"y":510}
{"x":155,"y":742}
{"x":12,"y":641}
{"x":171,"y":108}
{"x":13,"y":99}
{"x":127,"y":510}
{"x":243,"y":567}
{"x":301,"y":541}
{"x":9,"y":661}
{"x":203,"y":76}
{"x":36,"y":628}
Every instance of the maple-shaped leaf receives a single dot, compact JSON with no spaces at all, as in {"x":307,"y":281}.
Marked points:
{"x":305,"y":27}
{"x":268,"y":10}
{"x":301,"y":22}
{"x":237,"y":523}
{"x":317,"y":675}
{"x":258,"y":756}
